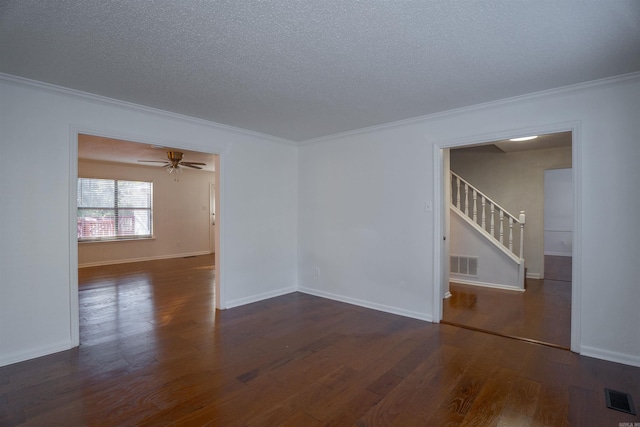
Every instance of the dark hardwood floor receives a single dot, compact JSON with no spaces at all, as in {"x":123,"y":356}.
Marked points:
{"x":542,"y":313}
{"x":558,"y":268}
{"x":155,"y":352}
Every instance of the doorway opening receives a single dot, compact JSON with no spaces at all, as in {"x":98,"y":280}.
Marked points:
{"x":125,"y":276}
{"x":512,"y":174}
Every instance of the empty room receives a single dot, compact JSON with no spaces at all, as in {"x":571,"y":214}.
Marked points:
{"x":309,"y":278}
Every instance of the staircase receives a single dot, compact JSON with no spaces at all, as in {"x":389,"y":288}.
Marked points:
{"x":500,"y":245}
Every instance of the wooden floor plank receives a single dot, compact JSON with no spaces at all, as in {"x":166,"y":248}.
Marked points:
{"x":154,"y":351}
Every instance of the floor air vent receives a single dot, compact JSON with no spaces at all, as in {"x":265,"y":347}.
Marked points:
{"x":619,"y":401}
{"x":464,"y":265}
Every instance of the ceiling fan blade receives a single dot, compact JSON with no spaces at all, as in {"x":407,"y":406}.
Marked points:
{"x":153,"y":161}
{"x":193,"y":163}
{"x":190,"y":165}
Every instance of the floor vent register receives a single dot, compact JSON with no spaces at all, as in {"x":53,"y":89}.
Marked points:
{"x":619,"y":401}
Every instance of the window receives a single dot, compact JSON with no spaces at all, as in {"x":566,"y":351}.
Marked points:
{"x":111,"y":209}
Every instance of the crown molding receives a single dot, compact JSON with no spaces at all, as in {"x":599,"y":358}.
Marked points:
{"x":623,"y":78}
{"x":22,"y":81}
{"x":87,"y":96}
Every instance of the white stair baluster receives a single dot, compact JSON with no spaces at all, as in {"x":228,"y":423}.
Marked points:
{"x":457,"y":193}
{"x":482,"y":212}
{"x":493,"y":228}
{"x":510,"y":234}
{"x":501,"y":226}
{"x":475,"y":206}
{"x":466,"y":198}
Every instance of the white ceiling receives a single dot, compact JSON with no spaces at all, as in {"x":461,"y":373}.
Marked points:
{"x":542,"y":142}
{"x":92,"y":147}
{"x":305,"y":69}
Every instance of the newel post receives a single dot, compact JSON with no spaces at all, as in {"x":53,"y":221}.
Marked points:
{"x":521,"y":220}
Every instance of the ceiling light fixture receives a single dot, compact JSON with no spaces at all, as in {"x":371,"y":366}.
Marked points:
{"x":524,"y":138}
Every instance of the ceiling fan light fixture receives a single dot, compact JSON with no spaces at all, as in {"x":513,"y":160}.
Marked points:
{"x":174,"y":162}
{"x":174,"y":156}
{"x":524,"y":138}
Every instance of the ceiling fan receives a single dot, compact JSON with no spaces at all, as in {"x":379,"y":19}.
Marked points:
{"x":175,"y":162}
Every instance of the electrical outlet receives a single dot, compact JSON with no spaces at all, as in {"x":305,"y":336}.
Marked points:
{"x":317,"y":270}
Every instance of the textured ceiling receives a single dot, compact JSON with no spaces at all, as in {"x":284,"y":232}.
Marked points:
{"x":306,"y":69}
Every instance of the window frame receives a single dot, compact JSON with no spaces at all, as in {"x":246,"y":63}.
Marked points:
{"x":116,"y":213}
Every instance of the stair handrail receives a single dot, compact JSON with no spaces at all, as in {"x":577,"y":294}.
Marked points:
{"x":502,"y":211}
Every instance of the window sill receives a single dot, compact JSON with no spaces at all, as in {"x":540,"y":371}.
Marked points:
{"x":133,"y":239}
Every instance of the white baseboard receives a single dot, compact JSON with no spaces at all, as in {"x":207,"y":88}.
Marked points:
{"x":611,"y":356}
{"x":568,"y":254}
{"x":533,"y":276}
{"x":367,"y":304}
{"x":484,"y":284}
{"x":33,"y":353}
{"x":260,"y":297}
{"x":149,"y":258}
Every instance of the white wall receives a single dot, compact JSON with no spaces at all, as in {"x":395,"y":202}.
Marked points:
{"x":257,"y":213}
{"x":363,"y":220}
{"x":180,"y":215}
{"x":495,"y":268}
{"x":515,"y":181}
{"x":558,"y":212}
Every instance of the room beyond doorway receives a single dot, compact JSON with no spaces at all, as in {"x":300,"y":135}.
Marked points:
{"x":513,"y":177}
{"x":181,"y":203}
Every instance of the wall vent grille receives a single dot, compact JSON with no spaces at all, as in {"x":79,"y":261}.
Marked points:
{"x":464,"y":265}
